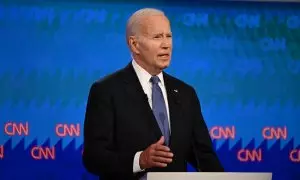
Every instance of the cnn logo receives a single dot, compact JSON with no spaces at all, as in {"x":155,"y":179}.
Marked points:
{"x":40,"y":153}
{"x":295,"y":155}
{"x":219,"y":132}
{"x":269,"y":133}
{"x":13,"y":129}
{"x":247,"y":155}
{"x":1,"y":152}
{"x":63,"y":130}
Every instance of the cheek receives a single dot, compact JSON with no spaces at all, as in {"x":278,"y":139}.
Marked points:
{"x":147,"y":49}
{"x":151,"y":51}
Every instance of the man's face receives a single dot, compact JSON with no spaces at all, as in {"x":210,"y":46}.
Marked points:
{"x":154,"y":43}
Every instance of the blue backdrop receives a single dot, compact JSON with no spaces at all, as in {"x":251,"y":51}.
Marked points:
{"x":242,"y":58}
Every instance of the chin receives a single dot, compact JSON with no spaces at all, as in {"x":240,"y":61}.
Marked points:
{"x":164,"y":65}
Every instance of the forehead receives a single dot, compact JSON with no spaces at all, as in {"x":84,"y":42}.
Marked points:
{"x":155,"y":24}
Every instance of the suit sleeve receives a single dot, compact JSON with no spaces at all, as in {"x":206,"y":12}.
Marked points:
{"x":203,"y":155}
{"x":100,"y":155}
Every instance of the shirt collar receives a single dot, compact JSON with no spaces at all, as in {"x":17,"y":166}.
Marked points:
{"x":143,"y":75}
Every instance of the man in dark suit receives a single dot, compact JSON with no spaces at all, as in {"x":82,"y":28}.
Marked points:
{"x":140,"y":119}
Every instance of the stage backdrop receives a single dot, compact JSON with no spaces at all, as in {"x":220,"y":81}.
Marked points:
{"x":243,"y":59}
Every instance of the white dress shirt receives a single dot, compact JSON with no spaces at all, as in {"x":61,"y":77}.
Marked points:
{"x":144,"y":78}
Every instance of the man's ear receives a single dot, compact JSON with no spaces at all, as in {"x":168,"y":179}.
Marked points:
{"x":133,"y":44}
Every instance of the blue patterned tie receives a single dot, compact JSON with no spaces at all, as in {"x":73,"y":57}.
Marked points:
{"x":160,"y":111}
{"x":159,"y":108}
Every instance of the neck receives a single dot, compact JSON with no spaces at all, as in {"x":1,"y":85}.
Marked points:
{"x":150,"y":70}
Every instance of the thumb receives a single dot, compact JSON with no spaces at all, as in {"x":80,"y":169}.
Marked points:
{"x":161,"y":140}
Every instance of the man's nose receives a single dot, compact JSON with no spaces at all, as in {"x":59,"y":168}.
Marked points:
{"x":166,"y":44}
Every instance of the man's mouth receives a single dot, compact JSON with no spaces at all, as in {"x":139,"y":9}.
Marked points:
{"x":165,"y":55}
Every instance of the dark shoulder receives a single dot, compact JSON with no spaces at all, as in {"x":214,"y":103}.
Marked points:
{"x":179,"y":83}
{"x":109,"y":81}
{"x":186,"y":90}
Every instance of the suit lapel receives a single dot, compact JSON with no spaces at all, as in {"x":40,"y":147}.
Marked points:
{"x":174,"y":102}
{"x":136,"y":94}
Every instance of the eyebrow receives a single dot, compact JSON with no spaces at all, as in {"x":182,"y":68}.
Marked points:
{"x":156,"y":34}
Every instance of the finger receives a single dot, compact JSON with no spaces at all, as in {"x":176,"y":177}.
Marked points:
{"x":159,"y":164}
{"x":163,"y":154}
{"x":161,"y":140}
{"x":161,"y":159}
{"x":159,"y":147}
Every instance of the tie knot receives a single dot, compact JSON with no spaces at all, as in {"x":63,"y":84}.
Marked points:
{"x":154,"y":79}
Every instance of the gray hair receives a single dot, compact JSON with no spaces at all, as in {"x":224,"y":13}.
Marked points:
{"x":135,"y":19}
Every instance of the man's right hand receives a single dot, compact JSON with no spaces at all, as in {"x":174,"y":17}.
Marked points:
{"x":156,"y":155}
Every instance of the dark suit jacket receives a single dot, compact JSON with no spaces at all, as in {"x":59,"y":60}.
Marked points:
{"x":119,"y":122}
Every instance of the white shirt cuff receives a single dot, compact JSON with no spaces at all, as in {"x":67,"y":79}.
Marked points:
{"x":136,"y":162}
